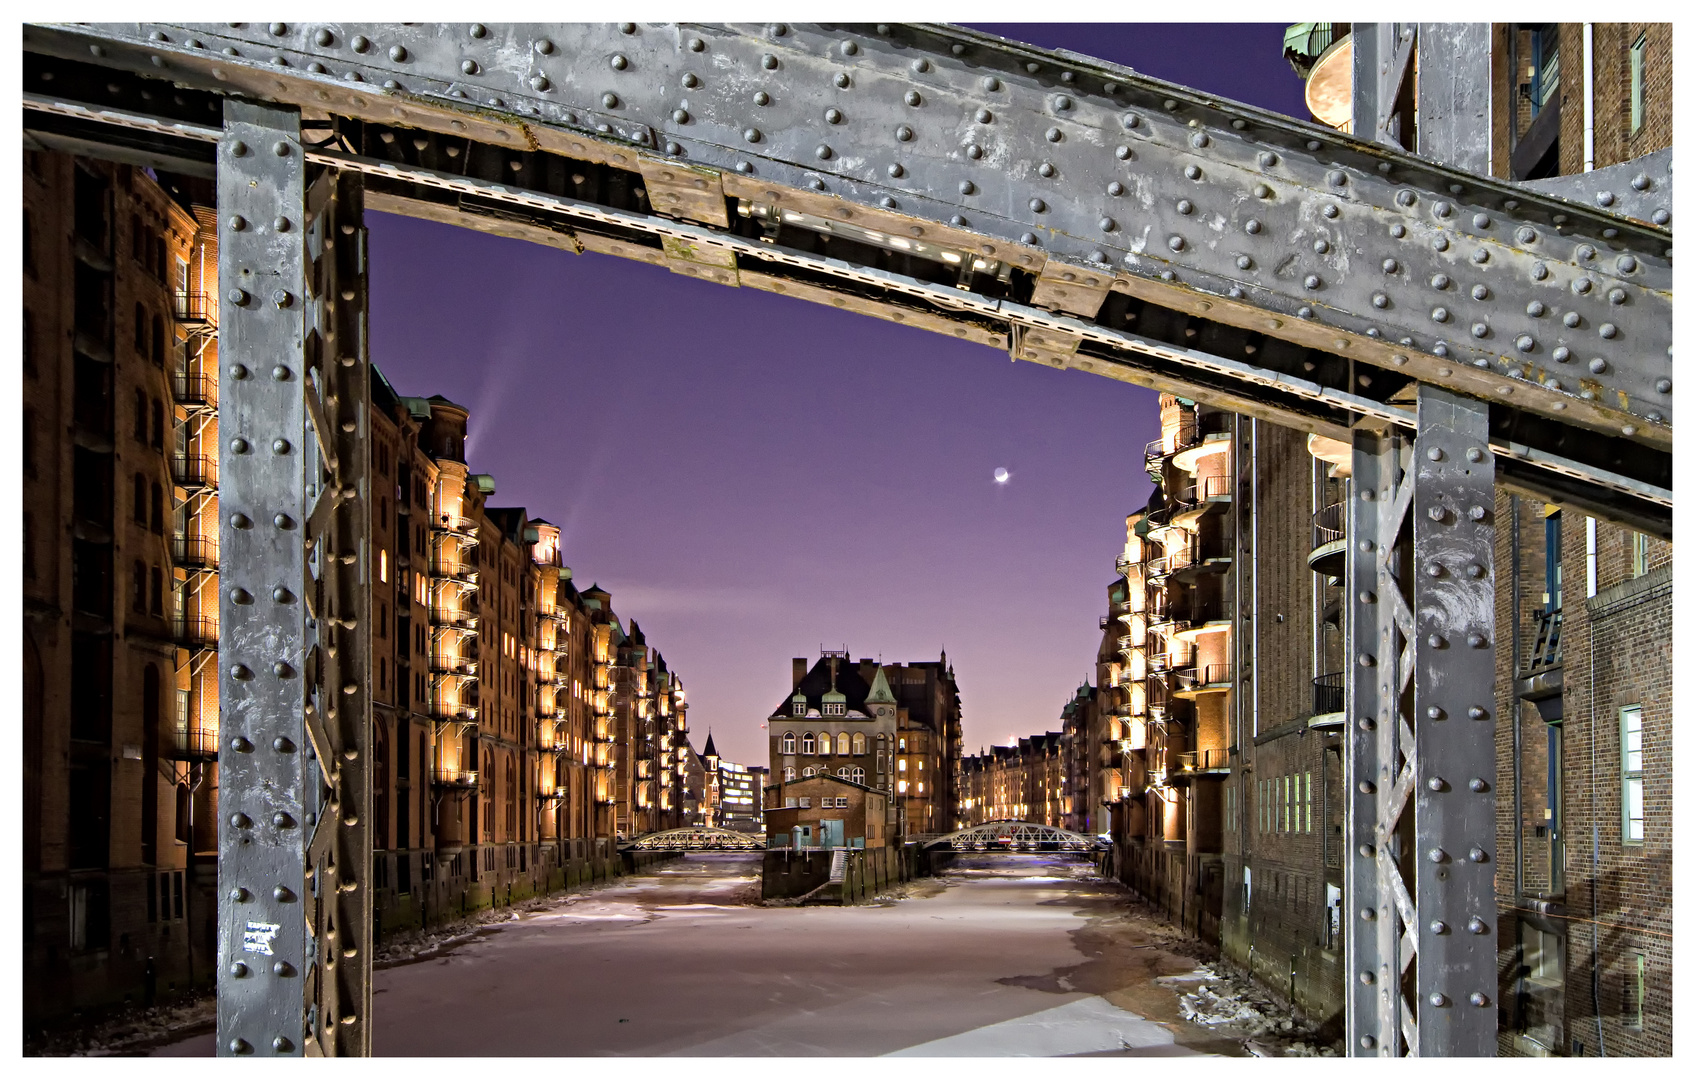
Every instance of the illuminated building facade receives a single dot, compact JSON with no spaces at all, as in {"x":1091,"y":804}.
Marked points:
{"x":119,"y":583}
{"x":1026,"y":781}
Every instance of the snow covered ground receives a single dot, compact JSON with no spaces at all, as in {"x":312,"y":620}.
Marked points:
{"x":1001,"y":956}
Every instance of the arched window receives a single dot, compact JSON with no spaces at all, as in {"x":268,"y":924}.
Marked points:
{"x":806,"y":743}
{"x":157,"y":592}
{"x":858,"y":775}
{"x":511,"y":798}
{"x":140,"y":330}
{"x":859,"y":743}
{"x":843,"y":772}
{"x":808,"y":771}
{"x":138,"y":588}
{"x":788,"y":772}
{"x":788,"y":742}
{"x":844,"y":744}
{"x":158,"y":508}
{"x":141,"y":497}
{"x":158,"y":341}
{"x":825,"y":742}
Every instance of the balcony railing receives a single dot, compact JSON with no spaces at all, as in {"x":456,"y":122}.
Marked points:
{"x":1204,"y":760}
{"x":454,"y":779}
{"x":194,"y":744}
{"x":196,"y":631}
{"x":194,"y":388}
{"x":1330,"y":524}
{"x":1202,"y":675}
{"x":1216,"y":486}
{"x":1327,"y":693}
{"x":194,"y":309}
{"x":1153,"y":458}
{"x":1545,"y":653}
{"x":195,"y":551}
{"x":194,"y":470}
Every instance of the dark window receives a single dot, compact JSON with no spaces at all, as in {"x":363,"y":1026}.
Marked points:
{"x":92,"y":406}
{"x":140,"y":499}
{"x":29,"y":245}
{"x":140,"y":330}
{"x":91,"y":687}
{"x":150,"y":686}
{"x":140,"y":415}
{"x":158,"y":425}
{"x":158,"y":341}
{"x":159,"y":257}
{"x":90,"y":915}
{"x":135,"y":237}
{"x":90,"y":806}
{"x":92,"y":300}
{"x":91,"y":490}
{"x":158,"y":508}
{"x":185,"y":814}
{"x":138,"y":587}
{"x":92,"y":198}
{"x":156,"y":593}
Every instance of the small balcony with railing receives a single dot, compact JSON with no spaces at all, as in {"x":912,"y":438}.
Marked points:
{"x":1189,"y":765}
{"x":194,"y":744}
{"x":1541,"y":675}
{"x":453,"y":780}
{"x":1196,"y":679}
{"x":1329,"y":700}
{"x":196,"y":631}
{"x":195,"y":552}
{"x":195,"y":389}
{"x":1205,"y":436}
{"x":1329,"y":553}
{"x":195,"y":472}
{"x":1208,"y":494}
{"x":195,"y":310}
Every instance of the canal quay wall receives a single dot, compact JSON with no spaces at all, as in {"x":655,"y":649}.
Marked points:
{"x":500,"y":881}
{"x":787,"y":874}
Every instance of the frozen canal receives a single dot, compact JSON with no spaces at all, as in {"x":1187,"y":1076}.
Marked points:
{"x":1024,"y":955}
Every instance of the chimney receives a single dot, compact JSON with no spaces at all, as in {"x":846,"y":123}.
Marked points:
{"x":800,"y":671}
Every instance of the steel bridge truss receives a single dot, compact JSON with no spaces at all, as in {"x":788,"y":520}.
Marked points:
{"x":697,"y":838}
{"x":1460,"y":331}
{"x":1011,"y":836}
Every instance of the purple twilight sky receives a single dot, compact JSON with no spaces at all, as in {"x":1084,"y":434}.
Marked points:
{"x":753,"y":476}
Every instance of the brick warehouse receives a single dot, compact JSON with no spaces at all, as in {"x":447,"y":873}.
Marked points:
{"x":517,"y":725}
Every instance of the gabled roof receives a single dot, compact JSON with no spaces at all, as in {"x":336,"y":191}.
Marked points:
{"x":849,"y":684}
{"x":710,"y":751}
{"x":821,"y":776}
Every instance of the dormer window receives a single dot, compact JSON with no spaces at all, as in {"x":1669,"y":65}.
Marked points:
{"x":835,"y":708}
{"x":797,"y":706}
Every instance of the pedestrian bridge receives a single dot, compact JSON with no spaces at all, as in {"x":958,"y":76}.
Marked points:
{"x":698,"y":838}
{"x":1013,"y":836}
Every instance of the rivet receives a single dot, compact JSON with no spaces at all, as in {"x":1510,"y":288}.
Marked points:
{"x":240,"y":744}
{"x":397,"y":54}
{"x":1479,"y":999}
{"x":1367,"y":1042}
{"x":1440,"y":243}
{"x":833,"y":116}
{"x":1480,"y":330}
{"x":1582,"y":286}
{"x":240,"y":820}
{"x":609,"y":100}
{"x":1175,"y":243}
{"x":1367,"y":660}
{"x":1480,"y":256}
{"x":282,"y":968}
{"x":1367,"y":978}
{"x":1597,"y":365}
{"x":1477,"y":926}
{"x":1311,"y":281}
{"x":696,"y":45}
{"x":1477,"y":712}
{"x":1054,"y":134}
{"x":1367,"y":851}
{"x":1626,"y":263}
{"x":280,"y":373}
{"x":1441,"y":209}
{"x":1535,"y":309}
{"x":1562,"y":354}
{"x":1438,"y":999}
{"x":1478,"y":855}
{"x":1663,"y":386}
{"x":1243,"y":262}
{"x":240,"y":520}
{"x":1368,"y":915}
{"x":237,"y":1046}
{"x":1252,"y":226}
{"x":990,"y":83}
{"x":281,"y":298}
{"x":1390,"y":266}
{"x":1437,"y":855}
{"x":1107,"y":224}
{"x":1437,"y":926}
{"x":1367,"y":787}
{"x":361,"y":43}
{"x":1437,"y":641}
{"x":1608,"y":330}
{"x":1439,"y":314}
{"x":238,"y":297}
{"x":1330,"y":210}
{"x":1436,"y":783}
{"x":849,"y":48}
{"x":1045,"y":168}
{"x":1193,"y":172}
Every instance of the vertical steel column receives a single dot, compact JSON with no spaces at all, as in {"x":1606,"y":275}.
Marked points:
{"x":1454,"y":729}
{"x":1382,"y":67}
{"x":1421,"y":761}
{"x":264,"y":788}
{"x":294,"y":859}
{"x":1454,"y":88}
{"x":338,"y":707}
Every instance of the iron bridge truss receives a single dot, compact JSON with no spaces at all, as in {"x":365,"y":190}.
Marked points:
{"x":1460,"y":332}
{"x":697,"y":838}
{"x":1009,"y":836}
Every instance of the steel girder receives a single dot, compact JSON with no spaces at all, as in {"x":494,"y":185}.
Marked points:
{"x":697,"y":838}
{"x":294,"y":927}
{"x":1420,"y":811}
{"x":1021,"y":834}
{"x":1277,"y":268}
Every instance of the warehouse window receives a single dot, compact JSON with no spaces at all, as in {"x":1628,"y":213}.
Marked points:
{"x":1638,"y":554}
{"x":1630,"y":767}
{"x":788,"y":742}
{"x":807,"y":743}
{"x":1638,"y":54}
{"x":1306,"y":802}
{"x":1638,"y":991}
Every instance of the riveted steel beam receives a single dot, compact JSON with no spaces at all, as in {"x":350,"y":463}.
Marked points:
{"x":267,"y":790}
{"x":1291,"y":230}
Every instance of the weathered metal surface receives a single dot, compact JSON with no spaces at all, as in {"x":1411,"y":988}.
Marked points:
{"x":1452,"y":779}
{"x":1454,"y":94}
{"x":1383,"y":55}
{"x":338,"y":712}
{"x":1287,"y":228}
{"x":266,"y":791}
{"x":1639,"y":189}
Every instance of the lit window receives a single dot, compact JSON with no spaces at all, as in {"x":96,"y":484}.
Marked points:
{"x":788,"y":772}
{"x":1630,"y":762}
{"x":1638,"y":554}
{"x":859,"y":743}
{"x":1639,"y":988}
{"x":1306,"y":802}
{"x":382,"y":564}
{"x":844,"y":744}
{"x":901,"y":787}
{"x":901,"y":767}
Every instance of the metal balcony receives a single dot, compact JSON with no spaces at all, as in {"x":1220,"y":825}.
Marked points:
{"x":194,"y":389}
{"x":1200,"y":679}
{"x":1329,"y":695}
{"x":194,"y":744}
{"x":1193,"y":763}
{"x":195,"y":552}
{"x":194,"y":310}
{"x":194,"y":471}
{"x":1542,"y":678}
{"x":1329,"y":554}
{"x":454,"y":779}
{"x":196,"y":632}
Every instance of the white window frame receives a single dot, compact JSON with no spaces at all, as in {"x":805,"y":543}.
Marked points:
{"x":788,"y":742}
{"x":1632,"y":830}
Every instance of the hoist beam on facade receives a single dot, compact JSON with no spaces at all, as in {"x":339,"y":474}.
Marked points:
{"x":1053,"y":164}
{"x":806,"y":248}
{"x":1420,"y":768}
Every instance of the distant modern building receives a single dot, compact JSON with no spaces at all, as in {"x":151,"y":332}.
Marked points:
{"x":732,"y":792}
